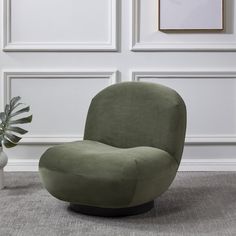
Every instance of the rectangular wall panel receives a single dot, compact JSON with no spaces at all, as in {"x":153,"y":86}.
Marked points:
{"x":59,"y":101}
{"x":210,"y":98}
{"x":145,"y":35}
{"x":60,"y":25}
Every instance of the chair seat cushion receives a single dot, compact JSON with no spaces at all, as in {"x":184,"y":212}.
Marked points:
{"x":95,"y":174}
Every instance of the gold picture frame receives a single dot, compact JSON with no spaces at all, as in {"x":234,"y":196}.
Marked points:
{"x":160,"y":28}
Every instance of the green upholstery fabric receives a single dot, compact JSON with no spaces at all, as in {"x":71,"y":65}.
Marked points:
{"x":133,"y":144}
{"x":97,"y":174}
{"x":138,"y":114}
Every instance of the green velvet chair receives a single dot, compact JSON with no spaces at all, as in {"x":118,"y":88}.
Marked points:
{"x":132,"y":147}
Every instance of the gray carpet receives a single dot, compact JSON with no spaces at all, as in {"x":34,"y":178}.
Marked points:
{"x":198,"y":203}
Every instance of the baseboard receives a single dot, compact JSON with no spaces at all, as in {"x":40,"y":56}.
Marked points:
{"x":186,"y":165}
{"x":22,"y":165}
{"x":208,"y":164}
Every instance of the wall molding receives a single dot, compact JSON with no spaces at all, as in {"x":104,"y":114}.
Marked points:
{"x":222,"y":164}
{"x":8,"y":76}
{"x":22,"y":165}
{"x":137,"y":45}
{"x":228,"y":73}
{"x":210,"y":139}
{"x":111,"y":45}
{"x":50,"y":139}
{"x":205,"y":164}
{"x":175,"y":73}
{"x":190,"y":139}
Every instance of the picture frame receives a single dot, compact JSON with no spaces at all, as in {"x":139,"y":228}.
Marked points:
{"x":191,"y":15}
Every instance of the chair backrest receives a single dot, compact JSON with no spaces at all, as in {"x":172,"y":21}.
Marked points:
{"x":132,"y":114}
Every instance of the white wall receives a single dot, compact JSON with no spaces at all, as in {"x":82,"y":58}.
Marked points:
{"x":57,"y":54}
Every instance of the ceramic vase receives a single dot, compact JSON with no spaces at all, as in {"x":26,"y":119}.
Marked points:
{"x":3,"y":162}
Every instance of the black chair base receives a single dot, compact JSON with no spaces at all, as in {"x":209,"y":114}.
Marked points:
{"x":112,"y":212}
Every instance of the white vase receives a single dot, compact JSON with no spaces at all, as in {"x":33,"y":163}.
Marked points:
{"x":3,"y":162}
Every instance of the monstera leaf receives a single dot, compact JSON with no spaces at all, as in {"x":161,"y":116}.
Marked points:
{"x":8,"y":131}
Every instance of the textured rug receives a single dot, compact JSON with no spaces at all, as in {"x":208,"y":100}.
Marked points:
{"x":197,"y":203}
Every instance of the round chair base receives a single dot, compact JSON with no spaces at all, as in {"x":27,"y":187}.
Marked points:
{"x":112,"y":212}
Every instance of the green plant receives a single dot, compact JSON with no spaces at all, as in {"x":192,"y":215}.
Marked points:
{"x":8,"y":130}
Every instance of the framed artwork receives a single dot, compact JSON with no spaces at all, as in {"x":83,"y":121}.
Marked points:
{"x":191,"y":15}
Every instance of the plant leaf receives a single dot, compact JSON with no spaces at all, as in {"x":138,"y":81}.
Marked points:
{"x":17,"y":105}
{"x":7,"y":110}
{"x":25,"y":109}
{"x":12,"y":138}
{"x":8,"y":144}
{"x":24,"y":120}
{"x":17,"y":130}
{"x":2,"y":116}
{"x":14,"y":101}
{"x":8,"y":133}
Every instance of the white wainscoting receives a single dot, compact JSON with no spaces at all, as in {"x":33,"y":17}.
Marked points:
{"x":196,"y":145}
{"x":202,"y":92}
{"x":222,"y":164}
{"x":146,"y":37}
{"x":50,"y":46}
{"x":22,"y":165}
{"x":64,"y":25}
{"x":185,"y":165}
{"x":59,"y":101}
{"x":210,"y":97}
